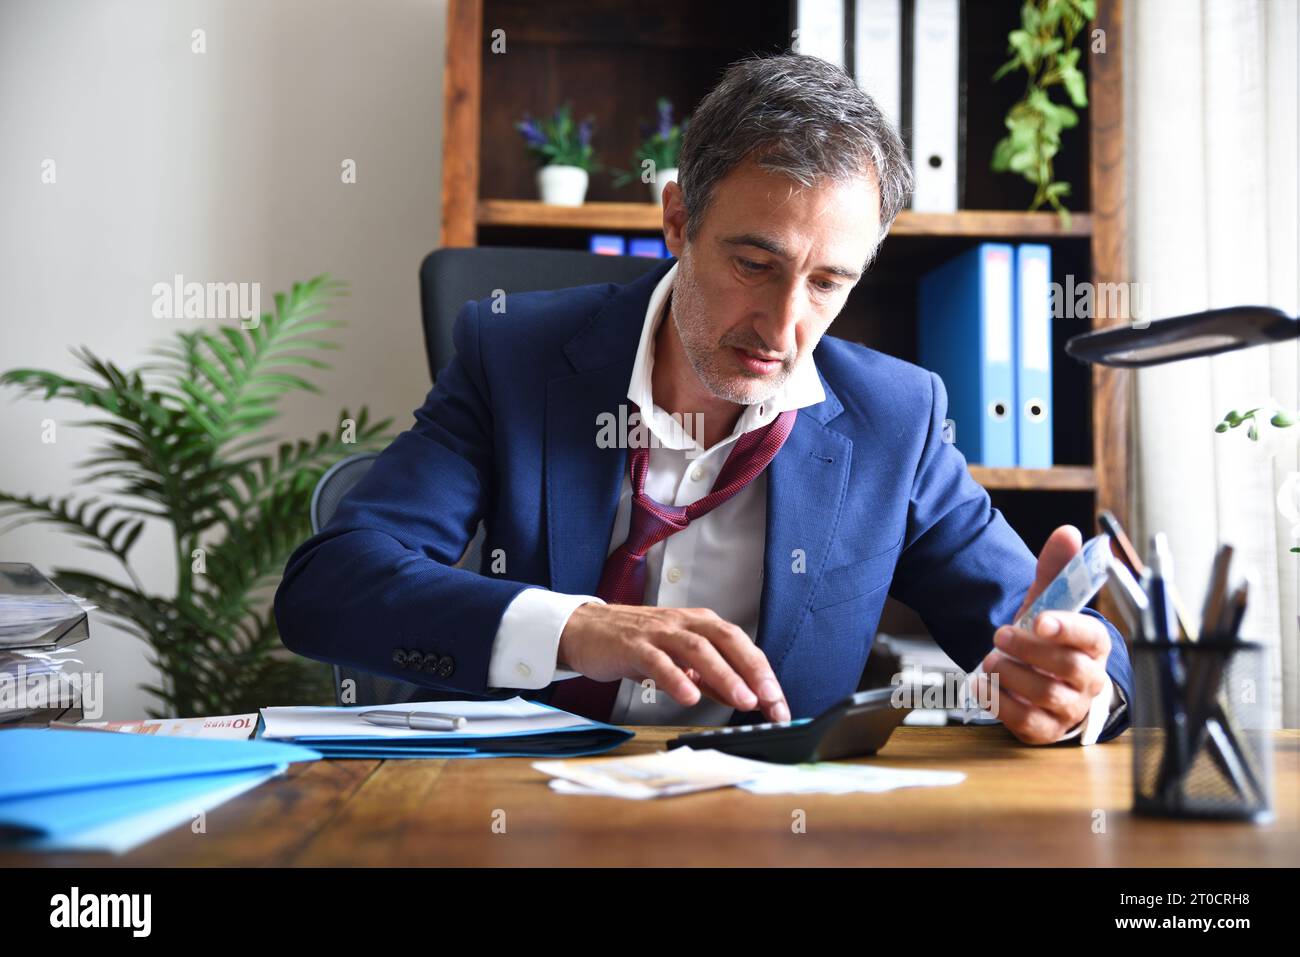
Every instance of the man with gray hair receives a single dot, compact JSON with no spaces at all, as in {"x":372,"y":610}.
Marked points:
{"x":729,"y":571}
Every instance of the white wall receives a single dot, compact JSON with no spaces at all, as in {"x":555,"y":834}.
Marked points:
{"x":221,"y":166}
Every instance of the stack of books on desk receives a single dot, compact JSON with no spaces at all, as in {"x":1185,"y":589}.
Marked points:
{"x":38,"y":623}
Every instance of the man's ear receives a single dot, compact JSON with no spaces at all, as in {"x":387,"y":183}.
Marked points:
{"x":674,"y":223}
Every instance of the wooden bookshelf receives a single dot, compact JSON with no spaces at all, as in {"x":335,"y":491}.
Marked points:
{"x":1059,"y":478}
{"x":648,"y":217}
{"x":612,"y":59}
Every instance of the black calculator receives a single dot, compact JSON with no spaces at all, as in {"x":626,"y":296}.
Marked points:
{"x":858,"y":725}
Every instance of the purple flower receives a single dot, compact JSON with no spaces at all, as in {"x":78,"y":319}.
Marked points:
{"x":531,"y":133}
{"x":665,"y":118}
{"x":584,"y":133}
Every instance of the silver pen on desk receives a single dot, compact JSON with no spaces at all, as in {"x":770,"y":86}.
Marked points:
{"x":416,"y":720}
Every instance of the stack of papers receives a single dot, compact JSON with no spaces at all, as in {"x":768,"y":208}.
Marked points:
{"x":34,"y":612}
{"x":511,"y":728}
{"x":37,"y":623}
{"x":685,"y":770}
{"x":28,"y":618}
{"x":73,"y":790}
{"x":660,"y":774}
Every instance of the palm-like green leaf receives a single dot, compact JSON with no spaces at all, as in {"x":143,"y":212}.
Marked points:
{"x":303,"y":461}
{"x":182,"y":441}
{"x":150,"y":442}
{"x":230,"y":381}
{"x":103,"y":526}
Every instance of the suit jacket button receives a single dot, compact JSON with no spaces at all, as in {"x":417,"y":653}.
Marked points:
{"x":431,"y":664}
{"x":414,"y":660}
{"x":446,"y":665}
{"x":399,"y":657}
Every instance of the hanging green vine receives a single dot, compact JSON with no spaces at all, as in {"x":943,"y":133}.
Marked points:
{"x":1044,"y":48}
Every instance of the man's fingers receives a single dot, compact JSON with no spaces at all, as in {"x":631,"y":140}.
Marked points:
{"x":1070,"y":665}
{"x":1076,"y":630}
{"x":706,"y":689}
{"x":1030,"y":723}
{"x":660,"y":668}
{"x":697,"y":651}
{"x":1049,"y":694}
{"x":751,"y":664}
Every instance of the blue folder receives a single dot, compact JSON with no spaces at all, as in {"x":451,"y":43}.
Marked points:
{"x":1034,"y":355}
{"x":965,"y":322}
{"x":61,"y":781}
{"x":69,"y":812}
{"x":581,"y":739}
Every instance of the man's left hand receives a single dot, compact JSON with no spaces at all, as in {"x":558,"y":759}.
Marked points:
{"x":1059,"y":669}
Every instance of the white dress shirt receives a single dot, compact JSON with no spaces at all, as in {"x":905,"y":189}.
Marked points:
{"x":715,"y":562}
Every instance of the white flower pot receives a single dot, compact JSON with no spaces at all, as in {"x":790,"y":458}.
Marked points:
{"x":562,"y":185}
{"x":662,"y":177}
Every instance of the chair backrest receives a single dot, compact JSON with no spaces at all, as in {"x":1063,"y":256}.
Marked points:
{"x":335,"y":484}
{"x":450,"y":277}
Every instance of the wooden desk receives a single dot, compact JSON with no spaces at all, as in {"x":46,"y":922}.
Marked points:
{"x":1019,"y":805}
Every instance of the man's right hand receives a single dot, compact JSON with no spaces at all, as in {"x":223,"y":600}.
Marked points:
{"x":686,"y":652}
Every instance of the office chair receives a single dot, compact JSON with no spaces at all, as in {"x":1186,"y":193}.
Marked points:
{"x":448,"y":278}
{"x":367,"y":688}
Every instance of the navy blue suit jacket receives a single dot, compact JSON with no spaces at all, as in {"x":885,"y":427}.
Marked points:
{"x":864,"y":489}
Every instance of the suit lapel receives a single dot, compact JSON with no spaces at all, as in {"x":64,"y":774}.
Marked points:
{"x":583,"y":479}
{"x":806,"y":487}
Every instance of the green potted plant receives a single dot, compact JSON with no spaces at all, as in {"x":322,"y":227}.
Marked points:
{"x":1044,"y":48}
{"x":184,"y":445}
{"x":655,"y":161}
{"x":1279,"y":418}
{"x":565,"y":154}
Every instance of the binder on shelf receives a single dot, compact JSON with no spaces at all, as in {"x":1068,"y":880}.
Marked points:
{"x":605,"y":244}
{"x":650,"y":247}
{"x":878,"y":54}
{"x":820,"y":28}
{"x":1034,"y":355}
{"x":965,"y":322}
{"x":937,"y":117}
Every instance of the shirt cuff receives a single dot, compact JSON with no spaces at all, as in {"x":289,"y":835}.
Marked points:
{"x":527,"y":641}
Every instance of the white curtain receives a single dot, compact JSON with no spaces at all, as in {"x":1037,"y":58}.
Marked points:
{"x":1213,"y":93}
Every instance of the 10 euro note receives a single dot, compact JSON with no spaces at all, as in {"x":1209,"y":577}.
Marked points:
{"x":1071,"y":590}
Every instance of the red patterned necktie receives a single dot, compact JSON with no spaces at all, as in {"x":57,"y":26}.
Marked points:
{"x":624,"y":577}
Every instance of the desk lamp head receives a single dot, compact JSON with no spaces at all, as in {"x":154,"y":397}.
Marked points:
{"x":1185,"y":337}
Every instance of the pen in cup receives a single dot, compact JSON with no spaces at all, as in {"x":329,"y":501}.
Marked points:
{"x":1129,"y":557}
{"x":1128,"y":595}
{"x":1164,"y":630}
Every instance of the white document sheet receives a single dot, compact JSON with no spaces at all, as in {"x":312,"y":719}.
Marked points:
{"x":513,"y":716}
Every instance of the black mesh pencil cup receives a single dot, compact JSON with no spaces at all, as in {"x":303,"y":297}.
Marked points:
{"x":1201,"y":744}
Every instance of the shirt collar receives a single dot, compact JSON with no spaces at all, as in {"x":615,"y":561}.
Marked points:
{"x":803,"y":387}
